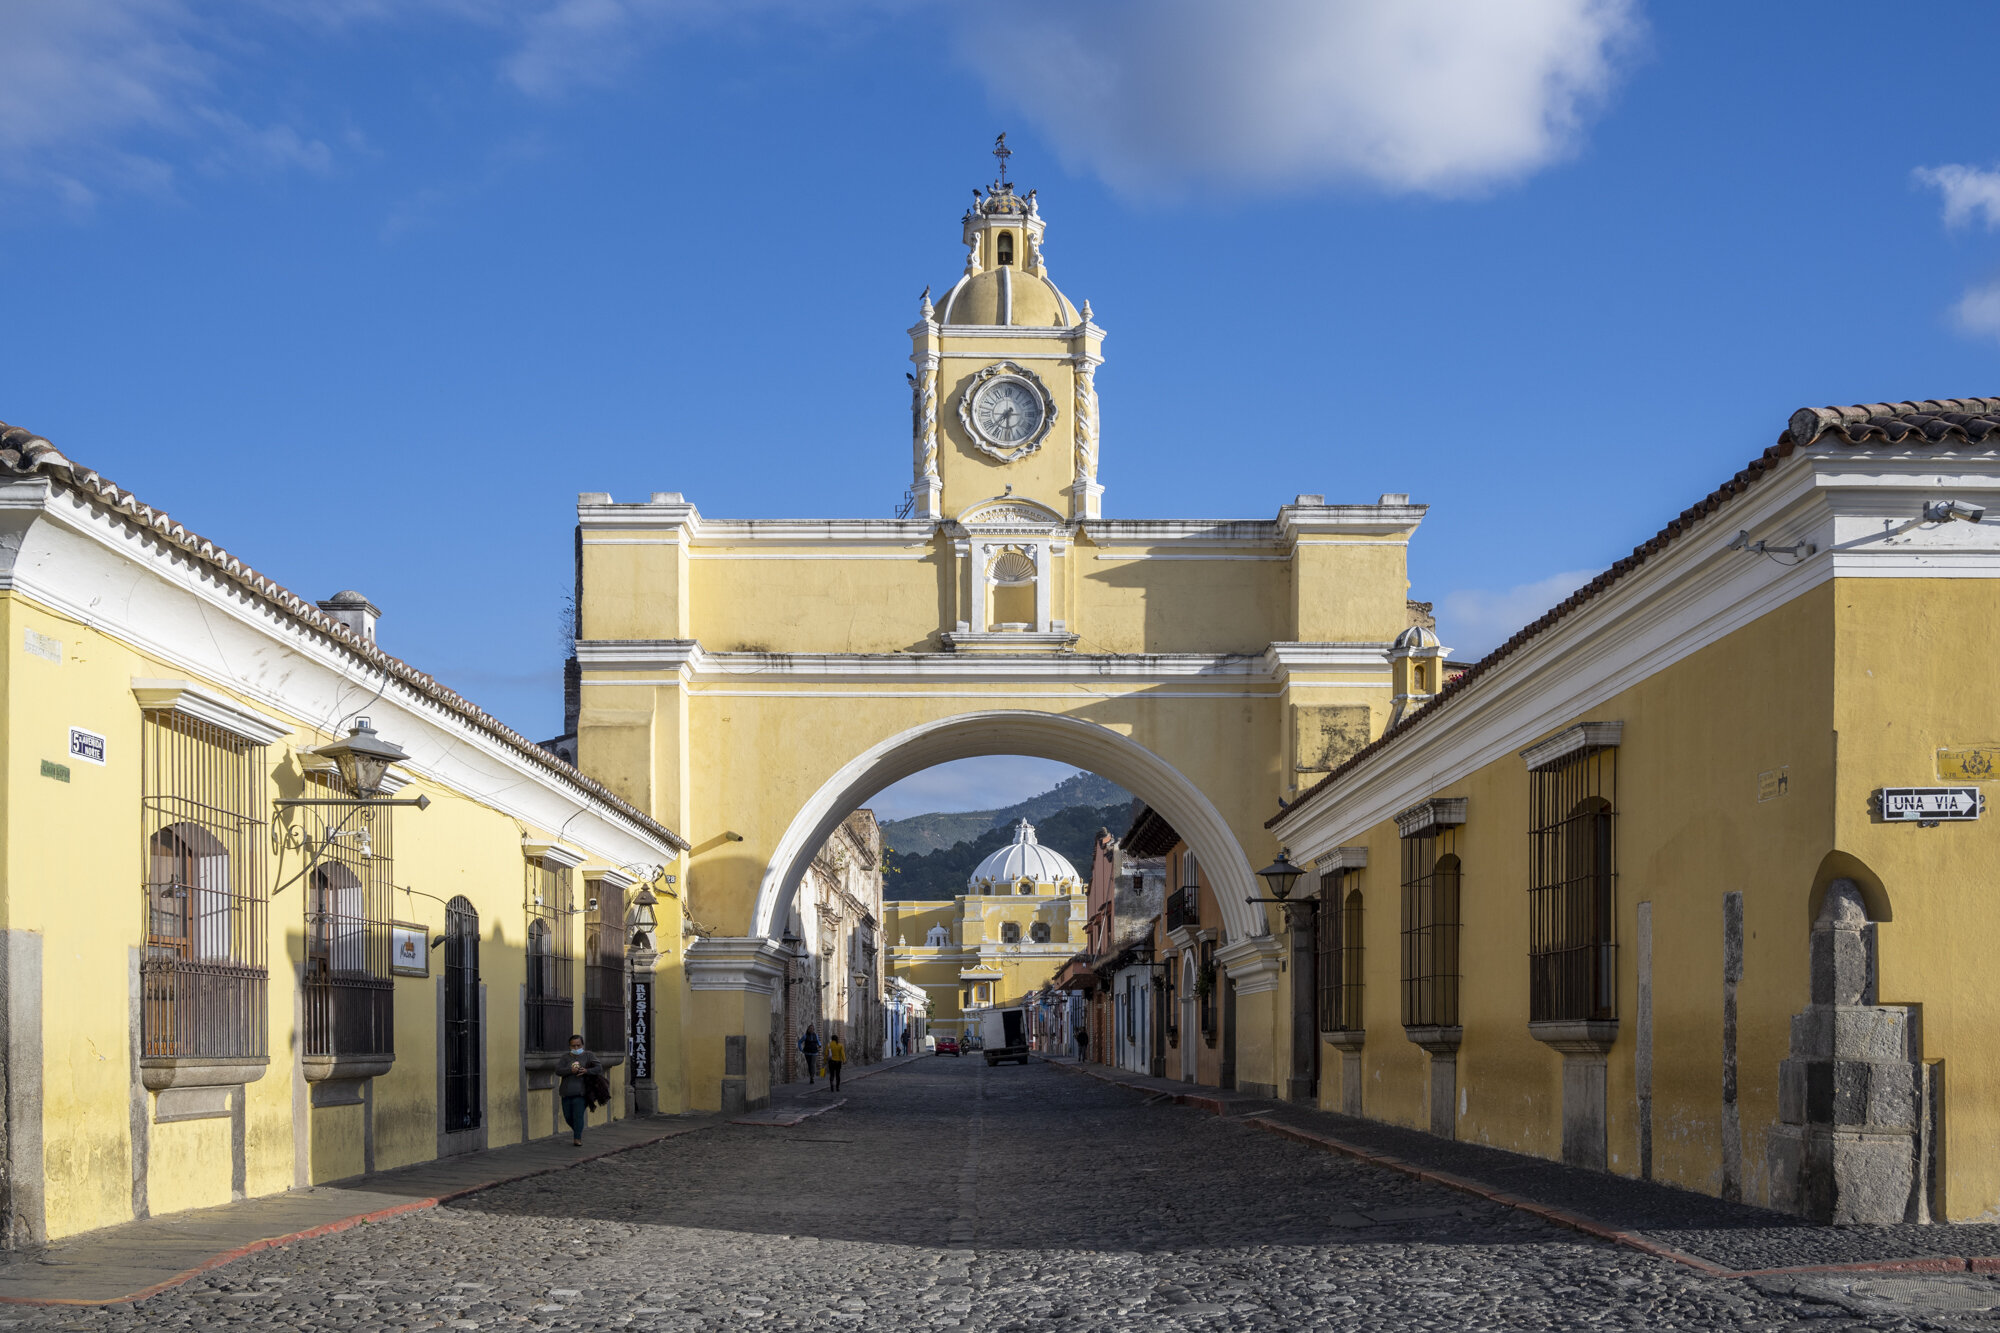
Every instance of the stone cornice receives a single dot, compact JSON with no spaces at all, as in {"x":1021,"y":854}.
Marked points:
{"x":686,"y":659}
{"x":1438,"y":812}
{"x":1583,"y":736}
{"x":735,"y":963}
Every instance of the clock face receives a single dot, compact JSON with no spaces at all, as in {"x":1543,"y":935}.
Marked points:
{"x":1007,"y":411}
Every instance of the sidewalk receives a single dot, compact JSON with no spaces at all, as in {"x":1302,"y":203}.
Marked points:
{"x":139,"y":1259}
{"x":1716,"y":1237}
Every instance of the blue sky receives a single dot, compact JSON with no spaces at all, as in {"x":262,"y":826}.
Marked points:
{"x":367,"y":292}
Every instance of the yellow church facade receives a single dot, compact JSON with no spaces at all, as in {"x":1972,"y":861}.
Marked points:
{"x":1692,"y":879}
{"x":749,"y":682}
{"x":1020,"y":919}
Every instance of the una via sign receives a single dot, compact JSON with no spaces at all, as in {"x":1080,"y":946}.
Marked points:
{"x":1928,"y":804}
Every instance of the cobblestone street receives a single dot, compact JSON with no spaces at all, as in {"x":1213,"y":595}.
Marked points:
{"x":947,"y":1195}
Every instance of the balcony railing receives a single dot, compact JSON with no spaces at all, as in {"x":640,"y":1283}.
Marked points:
{"x":1184,"y":908}
{"x":350,"y":1015}
{"x":202,"y":1009}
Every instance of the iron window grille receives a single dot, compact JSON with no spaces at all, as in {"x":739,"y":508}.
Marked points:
{"x":551,"y":1003}
{"x":1337,"y":950}
{"x":1572,"y":900}
{"x":1170,"y":1012}
{"x":604,"y":971}
{"x":349,"y":991}
{"x":204,"y":982}
{"x":1431,"y":891}
{"x":464,"y":1053}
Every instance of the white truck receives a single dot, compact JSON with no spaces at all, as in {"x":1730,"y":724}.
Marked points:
{"x":1003,"y":1034}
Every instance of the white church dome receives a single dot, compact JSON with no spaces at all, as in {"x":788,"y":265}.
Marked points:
{"x":1023,"y":859}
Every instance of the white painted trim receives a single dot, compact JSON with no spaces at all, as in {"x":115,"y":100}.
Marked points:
{"x":1860,"y":507}
{"x":191,"y":700}
{"x":65,"y":547}
{"x":1098,"y":749}
{"x":1438,"y":812}
{"x":811,"y":555}
{"x":735,"y":963}
{"x":568,"y":858}
{"x":1175,"y":555}
{"x":633,"y":541}
{"x":1582,"y":736}
{"x":1343,"y":858}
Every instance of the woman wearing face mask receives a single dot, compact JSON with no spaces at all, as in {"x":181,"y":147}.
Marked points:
{"x":575,"y":1090}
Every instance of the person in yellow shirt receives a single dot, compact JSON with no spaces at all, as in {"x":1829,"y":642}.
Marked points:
{"x":836,"y":1055}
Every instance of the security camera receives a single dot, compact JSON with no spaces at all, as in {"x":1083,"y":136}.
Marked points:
{"x":1944,"y":511}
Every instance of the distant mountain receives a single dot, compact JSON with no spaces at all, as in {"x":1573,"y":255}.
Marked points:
{"x":942,"y":873}
{"x":930,"y":833}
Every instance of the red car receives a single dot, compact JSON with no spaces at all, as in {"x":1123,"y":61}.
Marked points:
{"x":947,"y":1045}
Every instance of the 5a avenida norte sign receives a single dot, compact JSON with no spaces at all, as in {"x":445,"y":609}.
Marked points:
{"x":751,"y":682}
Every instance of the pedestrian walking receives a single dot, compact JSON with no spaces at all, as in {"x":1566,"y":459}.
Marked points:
{"x":809,"y":1047}
{"x":575,"y":1089}
{"x":836,"y":1056}
{"x":1082,"y":1044}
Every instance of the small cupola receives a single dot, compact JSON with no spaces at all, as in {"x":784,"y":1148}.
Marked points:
{"x":351,"y":609}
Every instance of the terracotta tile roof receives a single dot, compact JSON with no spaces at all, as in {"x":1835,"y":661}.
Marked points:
{"x":25,"y":454}
{"x":1931,"y":421}
{"x":1149,"y":834}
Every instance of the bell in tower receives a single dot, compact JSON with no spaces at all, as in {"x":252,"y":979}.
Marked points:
{"x":1004,"y":394}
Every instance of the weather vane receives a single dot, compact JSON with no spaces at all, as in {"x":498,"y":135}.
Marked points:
{"x":1001,"y":152}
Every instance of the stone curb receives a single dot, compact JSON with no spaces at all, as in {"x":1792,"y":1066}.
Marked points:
{"x":1562,"y":1217}
{"x":342,"y":1224}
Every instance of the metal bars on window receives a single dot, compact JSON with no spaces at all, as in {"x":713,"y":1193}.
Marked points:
{"x":1430,"y":928}
{"x":203,"y":980}
{"x":604,"y":970}
{"x":349,"y":991}
{"x":550,"y":1015}
{"x":1572,"y":901}
{"x":1337,"y":951}
{"x":1206,"y":981}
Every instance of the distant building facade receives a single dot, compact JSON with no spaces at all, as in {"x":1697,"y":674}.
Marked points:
{"x":1019,"y":920}
{"x":834,"y":977}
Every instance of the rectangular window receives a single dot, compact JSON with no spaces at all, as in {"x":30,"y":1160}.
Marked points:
{"x":551,"y":1008}
{"x":1573,"y":951}
{"x":203,"y":979}
{"x":604,"y":970}
{"x":1184,"y":903}
{"x":1430,"y":928}
{"x":348,"y":989}
{"x":1338,"y":951}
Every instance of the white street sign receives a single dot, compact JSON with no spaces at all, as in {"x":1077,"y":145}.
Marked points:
{"x":1930,"y":803}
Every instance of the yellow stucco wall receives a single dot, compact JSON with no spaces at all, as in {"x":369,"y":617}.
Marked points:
{"x":73,"y":868}
{"x":1690,"y":828}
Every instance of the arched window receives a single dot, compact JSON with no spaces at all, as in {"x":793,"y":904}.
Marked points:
{"x":1006,"y":247}
{"x":1039,"y":933}
{"x":1010,"y":932}
{"x":1027,"y":887}
{"x":1430,"y":928}
{"x":1572,"y":914}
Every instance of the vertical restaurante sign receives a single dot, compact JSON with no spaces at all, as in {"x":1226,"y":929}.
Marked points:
{"x":642,"y":1029}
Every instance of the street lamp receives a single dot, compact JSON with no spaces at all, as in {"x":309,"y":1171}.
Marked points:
{"x":363,"y":758}
{"x":643,"y":920}
{"x":1281,"y":875}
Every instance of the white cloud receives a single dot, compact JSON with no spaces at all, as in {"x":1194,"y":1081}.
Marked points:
{"x":1978,"y":311}
{"x":1428,"y":96}
{"x":1474,"y":621}
{"x":94,"y":89}
{"x":1967,"y":191}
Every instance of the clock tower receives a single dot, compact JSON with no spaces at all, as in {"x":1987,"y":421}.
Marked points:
{"x":1004,"y":398}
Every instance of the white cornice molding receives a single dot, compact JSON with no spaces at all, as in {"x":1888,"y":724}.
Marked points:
{"x":1283,"y":658}
{"x":1438,"y":812}
{"x":536,"y":849}
{"x":686,"y":659}
{"x":1342,"y":858}
{"x":1861,"y":508}
{"x":751,"y":964}
{"x":1156,"y":531}
{"x":1252,"y":963}
{"x":618,"y":878}
{"x":1376,"y":520}
{"x":1582,"y":736}
{"x":226,"y":638}
{"x":191,"y":700}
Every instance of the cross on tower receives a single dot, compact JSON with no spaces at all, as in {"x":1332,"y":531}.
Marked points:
{"x":1001,"y":152}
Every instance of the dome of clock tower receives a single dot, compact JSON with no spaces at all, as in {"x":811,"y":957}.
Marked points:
{"x":1006,"y":280}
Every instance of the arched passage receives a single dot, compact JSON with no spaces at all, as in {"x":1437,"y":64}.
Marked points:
{"x":1039,"y":735}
